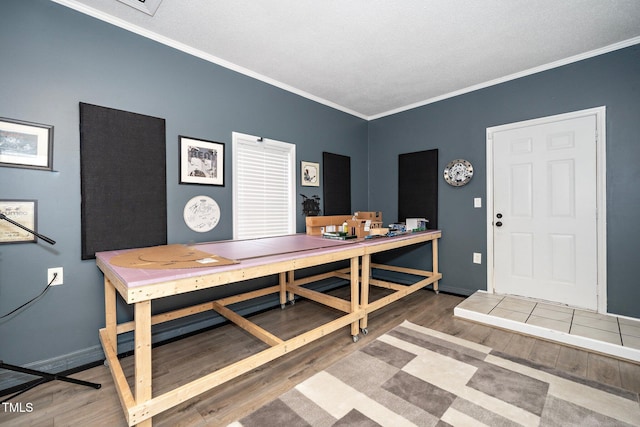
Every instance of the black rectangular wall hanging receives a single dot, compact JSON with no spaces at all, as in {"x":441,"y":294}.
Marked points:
{"x":123,"y":180}
{"x":336,"y":170}
{"x":418,"y":186}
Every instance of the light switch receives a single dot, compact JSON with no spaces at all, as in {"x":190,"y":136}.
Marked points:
{"x":477,"y":258}
{"x":477,"y":202}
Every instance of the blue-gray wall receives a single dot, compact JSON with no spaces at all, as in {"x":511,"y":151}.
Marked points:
{"x":457,"y":128}
{"x":53,"y":58}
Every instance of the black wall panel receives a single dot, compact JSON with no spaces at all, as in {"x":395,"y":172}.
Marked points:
{"x":418,"y":186}
{"x":123,"y":180}
{"x":336,"y":170}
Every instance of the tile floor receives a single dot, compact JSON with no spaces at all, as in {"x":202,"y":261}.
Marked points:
{"x":618,"y":336}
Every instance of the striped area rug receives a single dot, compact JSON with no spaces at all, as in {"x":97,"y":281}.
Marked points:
{"x":415,"y":376}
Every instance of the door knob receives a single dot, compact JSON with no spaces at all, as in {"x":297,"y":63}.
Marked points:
{"x":499,"y":224}
{"x":499,"y":215}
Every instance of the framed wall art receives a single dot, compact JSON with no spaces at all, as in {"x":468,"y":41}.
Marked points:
{"x":310,"y":174}
{"x":201,"y":161}
{"x":23,"y":212}
{"x":26,"y":145}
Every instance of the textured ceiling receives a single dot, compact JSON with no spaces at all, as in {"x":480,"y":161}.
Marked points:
{"x":372,"y":58}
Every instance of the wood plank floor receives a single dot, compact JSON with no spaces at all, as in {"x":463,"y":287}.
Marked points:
{"x":62,"y":404}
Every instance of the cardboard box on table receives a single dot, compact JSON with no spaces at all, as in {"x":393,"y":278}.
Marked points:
{"x":367,"y":224}
{"x":373,"y":216}
{"x":362,"y":227}
{"x":361,"y":224}
{"x":318,"y":225}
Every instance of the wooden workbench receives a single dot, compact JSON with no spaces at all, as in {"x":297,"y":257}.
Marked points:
{"x":280,"y":256}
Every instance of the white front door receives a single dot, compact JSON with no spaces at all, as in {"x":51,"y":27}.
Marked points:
{"x":545,"y":236}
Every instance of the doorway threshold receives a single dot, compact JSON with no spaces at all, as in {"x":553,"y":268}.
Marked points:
{"x":616,"y":336}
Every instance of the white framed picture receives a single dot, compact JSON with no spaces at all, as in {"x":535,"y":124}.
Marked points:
{"x":201,"y":161}
{"x":309,"y":174}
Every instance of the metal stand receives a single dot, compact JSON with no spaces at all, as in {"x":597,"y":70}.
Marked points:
{"x":45,"y":377}
{"x":45,"y":238}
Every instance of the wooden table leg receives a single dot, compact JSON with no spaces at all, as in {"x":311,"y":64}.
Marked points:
{"x":434,"y":251}
{"x":291,"y":278}
{"x":110,"y":313}
{"x":364,"y":293}
{"x":142,"y":355}
{"x":282,"y":279}
{"x":355,"y":299}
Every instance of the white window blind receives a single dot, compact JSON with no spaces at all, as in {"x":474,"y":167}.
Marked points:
{"x":263,"y":187}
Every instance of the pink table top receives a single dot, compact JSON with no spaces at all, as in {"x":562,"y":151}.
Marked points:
{"x":249,"y":253}
{"x":240,"y":250}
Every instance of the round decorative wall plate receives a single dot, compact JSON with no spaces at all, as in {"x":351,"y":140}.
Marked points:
{"x":458,"y":172}
{"x":201,"y":214}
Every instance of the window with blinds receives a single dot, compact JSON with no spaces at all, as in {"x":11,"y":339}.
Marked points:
{"x":264,"y":182}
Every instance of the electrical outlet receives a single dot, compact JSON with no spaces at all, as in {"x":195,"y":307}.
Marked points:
{"x":55,"y":276}
{"x":477,"y":258}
